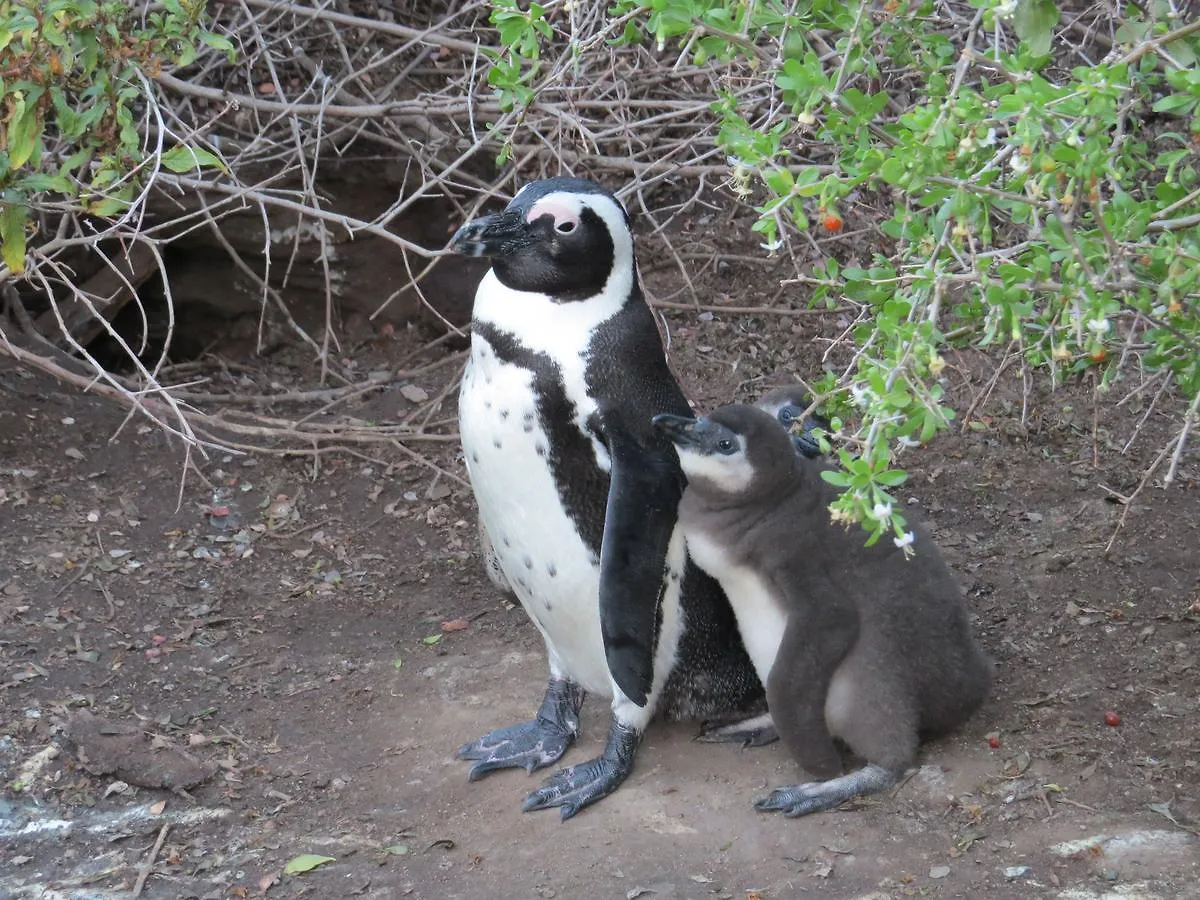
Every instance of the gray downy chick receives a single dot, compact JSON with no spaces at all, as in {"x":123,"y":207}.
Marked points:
{"x":851,"y":641}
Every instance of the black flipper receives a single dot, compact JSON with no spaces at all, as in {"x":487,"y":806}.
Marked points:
{"x":575,"y":787}
{"x":530,"y":745}
{"x":643,"y":498}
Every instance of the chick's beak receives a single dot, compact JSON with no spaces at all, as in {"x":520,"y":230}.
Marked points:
{"x":680,"y":429}
{"x":495,"y":235}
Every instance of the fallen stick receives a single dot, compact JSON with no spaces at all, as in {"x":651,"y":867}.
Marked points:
{"x":144,"y":873}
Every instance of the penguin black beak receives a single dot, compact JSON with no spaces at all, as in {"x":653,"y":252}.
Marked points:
{"x":680,"y":429}
{"x":497,"y":235}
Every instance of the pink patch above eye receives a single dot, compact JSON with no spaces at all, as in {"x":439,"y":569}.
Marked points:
{"x":560,"y":212}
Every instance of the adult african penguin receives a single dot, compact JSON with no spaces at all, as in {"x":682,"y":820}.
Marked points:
{"x":851,"y":641}
{"x":577,"y":492}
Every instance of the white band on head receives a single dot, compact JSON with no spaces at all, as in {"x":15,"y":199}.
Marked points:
{"x":557,"y":207}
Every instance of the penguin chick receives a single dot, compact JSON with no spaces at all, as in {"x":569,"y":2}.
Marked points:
{"x":787,"y":404}
{"x":851,"y":641}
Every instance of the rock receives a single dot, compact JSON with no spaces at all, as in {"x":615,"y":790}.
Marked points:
{"x":105,"y":747}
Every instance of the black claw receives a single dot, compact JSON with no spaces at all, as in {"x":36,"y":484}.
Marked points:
{"x":573,"y":788}
{"x":529,"y":745}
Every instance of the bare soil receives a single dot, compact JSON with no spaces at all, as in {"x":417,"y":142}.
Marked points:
{"x":271,"y":659}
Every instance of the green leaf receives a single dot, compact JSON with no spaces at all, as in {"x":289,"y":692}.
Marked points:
{"x":185,"y":159}
{"x":396,"y":849}
{"x":23,"y":132}
{"x":431,"y":640}
{"x":837,"y":479}
{"x":1173,"y":103}
{"x":306,"y":863}
{"x":1034,"y":23}
{"x":892,"y":170}
{"x":42,"y":182}
{"x":107,"y":206}
{"x":891,"y":478}
{"x":397,"y":662}
{"x":219,"y":42}
{"x":12,"y":236}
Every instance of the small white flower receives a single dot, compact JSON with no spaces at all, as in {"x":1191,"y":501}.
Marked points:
{"x":806,"y":118}
{"x":1098,"y":326}
{"x":1019,"y":164}
{"x":906,"y":442}
{"x":882,"y":511}
{"x":905,"y":540}
{"x":1006,"y":9}
{"x":861,"y":397}
{"x":966,"y":144}
{"x":1074,"y":139}
{"x":772,"y":246}
{"x":989,"y":139}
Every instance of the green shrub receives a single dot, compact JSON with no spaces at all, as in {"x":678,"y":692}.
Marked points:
{"x":1054,"y":210}
{"x":74,"y":78}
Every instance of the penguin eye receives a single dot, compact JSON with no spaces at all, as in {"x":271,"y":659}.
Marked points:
{"x":787,"y":415}
{"x":725,"y":445}
{"x":566,"y":226}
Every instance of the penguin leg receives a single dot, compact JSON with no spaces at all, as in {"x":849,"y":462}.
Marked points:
{"x":802,"y":799}
{"x":756,"y":732}
{"x":573,"y":788}
{"x":530,"y":745}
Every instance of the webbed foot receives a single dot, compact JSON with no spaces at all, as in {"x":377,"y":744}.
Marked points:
{"x":756,"y":732}
{"x":573,"y":788}
{"x":530,"y":745}
{"x":816,"y":796}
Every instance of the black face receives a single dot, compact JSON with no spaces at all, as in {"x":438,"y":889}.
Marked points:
{"x":789,"y":413}
{"x":701,"y":435}
{"x":565,"y":250}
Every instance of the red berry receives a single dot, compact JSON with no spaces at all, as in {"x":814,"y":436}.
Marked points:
{"x":832,"y":222}
{"x":1111,"y":719}
{"x":993,"y":740}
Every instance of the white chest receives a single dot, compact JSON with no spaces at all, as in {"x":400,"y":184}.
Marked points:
{"x":760,"y":616}
{"x":537,"y":545}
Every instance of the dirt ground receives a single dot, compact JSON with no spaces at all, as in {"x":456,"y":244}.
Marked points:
{"x":282,"y":663}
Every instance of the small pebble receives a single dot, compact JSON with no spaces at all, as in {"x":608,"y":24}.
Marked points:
{"x":1016,"y":871}
{"x":939,"y":871}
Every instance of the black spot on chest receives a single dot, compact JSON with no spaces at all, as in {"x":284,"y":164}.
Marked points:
{"x":582,"y":485}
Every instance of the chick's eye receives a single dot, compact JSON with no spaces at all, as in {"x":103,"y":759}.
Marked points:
{"x":565,"y":227}
{"x":725,"y":445}
{"x":786,"y":416}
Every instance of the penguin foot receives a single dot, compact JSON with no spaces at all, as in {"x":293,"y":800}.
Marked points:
{"x":530,"y":745}
{"x":756,"y":732}
{"x":573,"y":788}
{"x":816,"y":796}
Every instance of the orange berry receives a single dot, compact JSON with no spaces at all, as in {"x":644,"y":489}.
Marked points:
{"x":1098,"y":355}
{"x":832,"y":223}
{"x":1111,"y":719}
